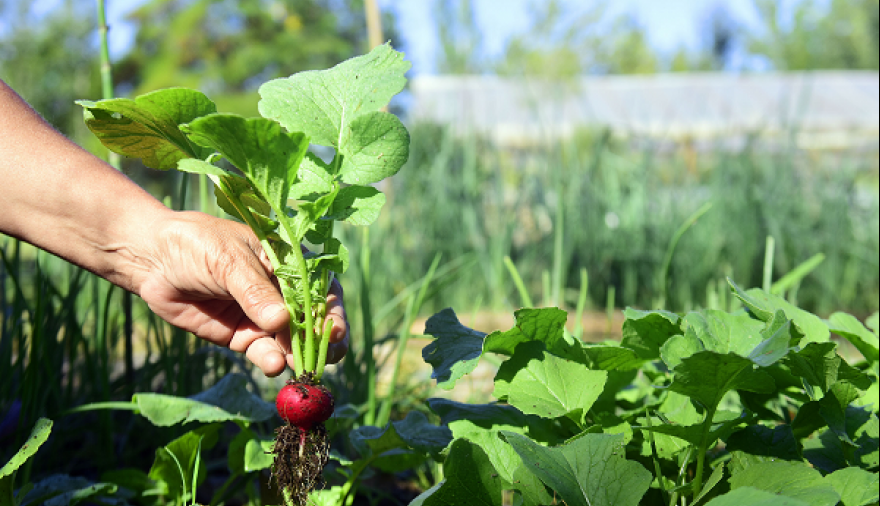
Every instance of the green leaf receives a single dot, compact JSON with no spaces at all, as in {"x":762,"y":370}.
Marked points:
{"x":134,"y":480}
{"x":228,"y":400}
{"x":644,"y":332}
{"x":791,"y":479}
{"x":538,"y":383}
{"x":313,"y":179}
{"x":757,"y":443}
{"x":374,"y":146}
{"x":693,"y":434}
{"x":334,"y":258}
{"x":455,"y":351}
{"x":776,"y":344}
{"x":39,"y":435}
{"x":851,"y":329}
{"x":820,"y":366}
{"x":753,"y":497}
{"x":855,"y":486}
{"x":470,"y":478}
{"x":148,"y":126}
{"x":195,"y":166}
{"x":612,"y":357}
{"x":723,"y":332}
{"x":764,"y":306}
{"x":308,"y":214}
{"x":64,"y":490}
{"x":707,"y":376}
{"x":184,"y":454}
{"x":247,"y":452}
{"x":504,"y":459}
{"x":357,"y":205}
{"x":324,"y":103}
{"x":546,"y":325}
{"x":328,"y":497}
{"x":589,"y":471}
{"x":268,"y":156}
{"x":483,"y":415}
{"x":826,"y":452}
{"x":388,"y":450}
{"x":421,"y":435}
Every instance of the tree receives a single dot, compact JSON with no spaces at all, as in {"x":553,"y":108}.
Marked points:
{"x":51,"y":60}
{"x":563,"y":43}
{"x":227,"y":48}
{"x":461,"y":39}
{"x":843,"y":35}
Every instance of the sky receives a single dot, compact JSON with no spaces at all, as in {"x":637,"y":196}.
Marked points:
{"x":669,"y":24}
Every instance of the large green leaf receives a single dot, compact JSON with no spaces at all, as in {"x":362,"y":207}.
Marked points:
{"x":820,"y":366}
{"x":148,"y":126}
{"x":754,"y":497}
{"x":228,"y":400}
{"x":546,"y":325}
{"x":764,"y":306}
{"x":589,"y":471}
{"x":644,"y":332}
{"x":324,"y":103}
{"x":455,"y":351}
{"x":340,"y":107}
{"x":267,"y":155}
{"x":791,"y":479}
{"x":851,"y":329}
{"x":757,"y":443}
{"x":504,"y":458}
{"x":400,"y":445}
{"x":539,"y":383}
{"x":375,"y":146}
{"x":470,"y":479}
{"x":855,"y":486}
{"x":707,"y":376}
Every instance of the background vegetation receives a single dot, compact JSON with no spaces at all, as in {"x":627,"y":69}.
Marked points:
{"x":595,"y":208}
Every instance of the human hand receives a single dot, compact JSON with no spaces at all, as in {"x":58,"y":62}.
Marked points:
{"x":211,"y":277}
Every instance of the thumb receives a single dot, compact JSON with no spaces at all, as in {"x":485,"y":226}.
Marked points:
{"x":258,"y":297}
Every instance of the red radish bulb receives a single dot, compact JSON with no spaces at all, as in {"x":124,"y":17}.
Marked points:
{"x":303,"y":405}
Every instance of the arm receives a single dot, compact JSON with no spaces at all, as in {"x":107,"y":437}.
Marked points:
{"x":204,"y":274}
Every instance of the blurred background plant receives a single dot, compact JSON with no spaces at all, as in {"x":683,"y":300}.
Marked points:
{"x":618,"y":215}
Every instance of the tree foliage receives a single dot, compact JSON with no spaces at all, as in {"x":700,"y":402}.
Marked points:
{"x":51,"y":60}
{"x":842,"y":34}
{"x":226,"y":48}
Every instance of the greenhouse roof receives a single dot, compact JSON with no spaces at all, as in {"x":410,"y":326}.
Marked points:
{"x":828,"y":109}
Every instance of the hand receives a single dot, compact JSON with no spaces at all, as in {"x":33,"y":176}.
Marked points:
{"x":211,"y":277}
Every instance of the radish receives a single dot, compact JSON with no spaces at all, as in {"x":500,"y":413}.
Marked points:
{"x":303,"y":405}
{"x":302,"y":447}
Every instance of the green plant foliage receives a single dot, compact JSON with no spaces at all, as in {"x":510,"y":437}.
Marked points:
{"x":228,"y":400}
{"x":726,"y":408}
{"x":589,"y":471}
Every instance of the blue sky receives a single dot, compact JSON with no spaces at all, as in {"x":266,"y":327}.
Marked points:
{"x":669,"y":23}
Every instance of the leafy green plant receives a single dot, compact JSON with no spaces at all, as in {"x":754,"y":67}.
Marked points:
{"x":265,"y":175}
{"x":709,"y":407}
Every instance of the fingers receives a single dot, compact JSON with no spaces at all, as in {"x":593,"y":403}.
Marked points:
{"x":249,"y":284}
{"x":267,"y":355}
{"x":339,"y":338}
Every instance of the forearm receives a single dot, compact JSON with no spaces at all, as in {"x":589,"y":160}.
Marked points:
{"x":59,"y":197}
